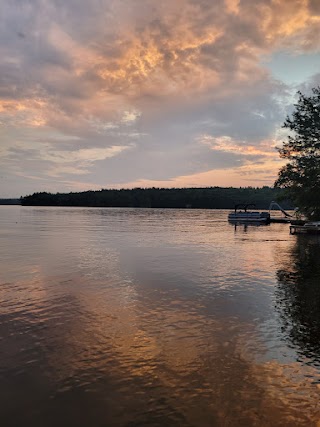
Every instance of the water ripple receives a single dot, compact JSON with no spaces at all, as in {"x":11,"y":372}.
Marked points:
{"x":130,"y":317}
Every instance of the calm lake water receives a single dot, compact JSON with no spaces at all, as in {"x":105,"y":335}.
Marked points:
{"x":142,"y":317}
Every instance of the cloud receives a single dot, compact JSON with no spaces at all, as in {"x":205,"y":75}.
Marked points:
{"x":151,"y":76}
{"x":87,"y":155}
{"x":228,"y":145}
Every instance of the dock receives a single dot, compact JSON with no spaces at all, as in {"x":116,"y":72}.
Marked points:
{"x":280,"y":220}
{"x":302,"y":229}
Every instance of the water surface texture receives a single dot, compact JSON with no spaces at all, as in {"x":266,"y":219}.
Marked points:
{"x":142,"y":317}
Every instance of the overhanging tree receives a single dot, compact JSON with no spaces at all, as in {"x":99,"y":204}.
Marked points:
{"x":301,"y":175}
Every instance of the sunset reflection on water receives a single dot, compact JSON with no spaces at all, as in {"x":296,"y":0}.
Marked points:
{"x":130,"y":317}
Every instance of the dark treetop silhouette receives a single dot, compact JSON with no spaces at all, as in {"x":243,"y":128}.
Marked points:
{"x":301,"y":175}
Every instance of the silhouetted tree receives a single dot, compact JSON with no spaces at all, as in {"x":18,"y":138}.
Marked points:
{"x":301,"y":175}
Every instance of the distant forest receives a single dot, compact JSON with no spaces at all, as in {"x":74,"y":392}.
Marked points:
{"x":9,"y":201}
{"x":195,"y":198}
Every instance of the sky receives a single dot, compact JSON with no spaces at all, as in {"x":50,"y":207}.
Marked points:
{"x":147,"y":93}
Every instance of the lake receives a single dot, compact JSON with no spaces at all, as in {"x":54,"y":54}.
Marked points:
{"x":156,"y":317}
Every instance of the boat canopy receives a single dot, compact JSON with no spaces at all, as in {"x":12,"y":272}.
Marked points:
{"x":244,"y":206}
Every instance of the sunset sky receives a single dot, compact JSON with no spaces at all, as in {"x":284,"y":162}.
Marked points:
{"x":141,"y":93}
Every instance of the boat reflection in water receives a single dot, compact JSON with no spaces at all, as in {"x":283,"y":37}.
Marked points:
{"x":246,"y":225}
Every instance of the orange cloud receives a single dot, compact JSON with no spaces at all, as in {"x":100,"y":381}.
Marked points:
{"x":227,"y":144}
{"x":290,"y":23}
{"x":176,"y":50}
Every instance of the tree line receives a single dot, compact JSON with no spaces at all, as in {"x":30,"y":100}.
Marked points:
{"x":193,"y":198}
{"x":9,"y":201}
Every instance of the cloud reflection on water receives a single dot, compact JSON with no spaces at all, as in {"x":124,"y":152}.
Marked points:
{"x":157,"y":322}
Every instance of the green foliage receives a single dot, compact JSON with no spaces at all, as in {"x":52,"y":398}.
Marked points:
{"x":206,"y":198}
{"x":301,"y":175}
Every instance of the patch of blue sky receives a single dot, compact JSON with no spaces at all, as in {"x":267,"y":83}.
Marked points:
{"x":291,"y":68}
